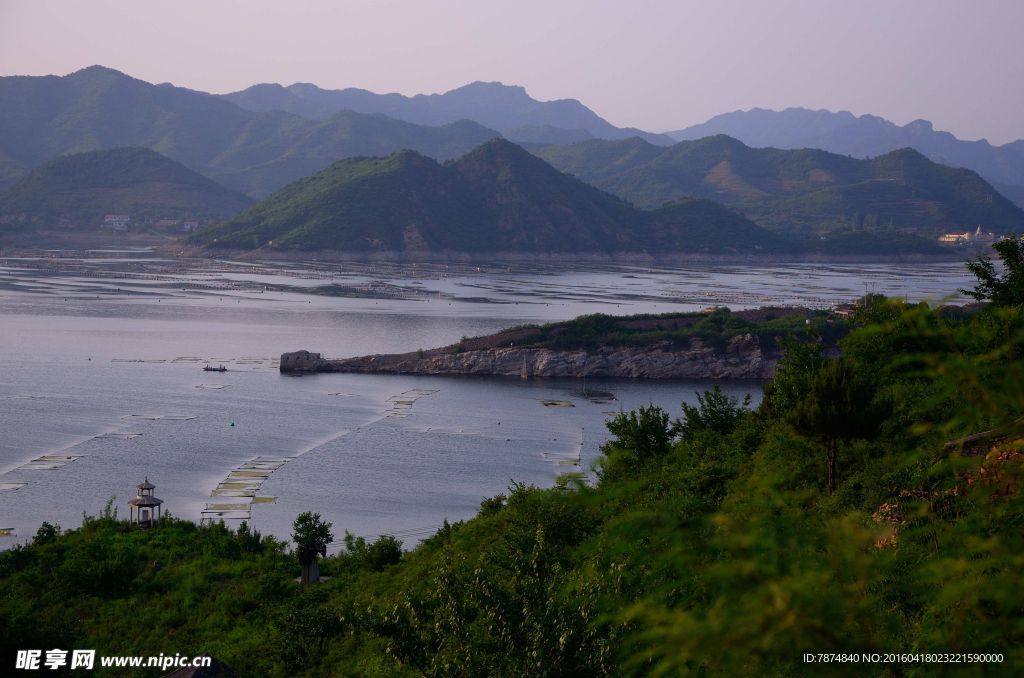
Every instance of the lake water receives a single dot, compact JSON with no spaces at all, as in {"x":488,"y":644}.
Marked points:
{"x":101,"y":382}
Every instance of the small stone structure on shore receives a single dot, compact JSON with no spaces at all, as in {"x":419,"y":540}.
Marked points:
{"x":300,"y":361}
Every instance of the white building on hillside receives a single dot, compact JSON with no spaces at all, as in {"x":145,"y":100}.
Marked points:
{"x":969,"y":238}
{"x":118,"y":222}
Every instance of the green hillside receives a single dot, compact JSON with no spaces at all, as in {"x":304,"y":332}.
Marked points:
{"x":82,"y":187}
{"x":498,"y":197}
{"x":804,"y":191}
{"x":256,"y":153}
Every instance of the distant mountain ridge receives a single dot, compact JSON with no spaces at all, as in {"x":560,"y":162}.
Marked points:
{"x":501,"y":107}
{"x":294,"y":132}
{"x":860,"y":137}
{"x":79,"y":189}
{"x":255,"y":153}
{"x":498,"y":198}
{"x":259,"y":163}
{"x":801,"y":192}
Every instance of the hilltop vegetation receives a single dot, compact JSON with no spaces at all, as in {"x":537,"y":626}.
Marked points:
{"x":718,"y":541}
{"x":498,"y":198}
{"x":801,"y":192}
{"x":254,"y":153}
{"x":82,"y":187}
{"x":714,"y":328}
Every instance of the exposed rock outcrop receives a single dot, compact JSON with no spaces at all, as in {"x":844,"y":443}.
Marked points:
{"x":742,"y":358}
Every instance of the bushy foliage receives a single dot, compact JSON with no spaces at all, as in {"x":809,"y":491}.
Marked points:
{"x":377,"y":555}
{"x":311,"y":536}
{"x":311,"y":530}
{"x":1002,"y":290}
{"x":638,"y":438}
{"x":679,"y":330}
{"x":715,"y":412}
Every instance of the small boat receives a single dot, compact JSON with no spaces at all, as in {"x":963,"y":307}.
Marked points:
{"x":208,"y":368}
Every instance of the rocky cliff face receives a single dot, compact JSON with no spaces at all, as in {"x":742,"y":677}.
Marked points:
{"x":741,"y":359}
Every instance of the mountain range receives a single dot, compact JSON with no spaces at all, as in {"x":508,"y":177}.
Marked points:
{"x":77,"y":190}
{"x":798,"y":192}
{"x":257,"y":140}
{"x":498,"y":198}
{"x":866,"y":136}
{"x":505,"y":108}
{"x":261,"y":140}
{"x":254,"y":153}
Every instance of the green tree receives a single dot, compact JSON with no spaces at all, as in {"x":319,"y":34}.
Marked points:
{"x":717,"y":412}
{"x":387,"y":550}
{"x":638,"y":438}
{"x":838,"y":407}
{"x":311,"y":534}
{"x":791,"y":384}
{"x":46,"y":534}
{"x":305,"y":626}
{"x":249,"y":540}
{"x":1001,"y":290}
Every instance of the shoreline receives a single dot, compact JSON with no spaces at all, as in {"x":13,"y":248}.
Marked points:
{"x":742,"y":358}
{"x":628,"y":258}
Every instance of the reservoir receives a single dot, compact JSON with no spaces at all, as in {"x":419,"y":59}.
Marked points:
{"x":101,"y":382}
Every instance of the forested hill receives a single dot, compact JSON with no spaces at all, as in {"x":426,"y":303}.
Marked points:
{"x":82,"y":187}
{"x":807,"y":191}
{"x":498,"y":198}
{"x":42,"y":118}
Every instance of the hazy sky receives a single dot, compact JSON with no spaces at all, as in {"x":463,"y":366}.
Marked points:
{"x":656,"y":65}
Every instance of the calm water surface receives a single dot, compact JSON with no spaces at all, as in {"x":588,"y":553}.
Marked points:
{"x":101,"y":385}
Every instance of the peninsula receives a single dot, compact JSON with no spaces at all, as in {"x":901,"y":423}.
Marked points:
{"x":711,"y":345}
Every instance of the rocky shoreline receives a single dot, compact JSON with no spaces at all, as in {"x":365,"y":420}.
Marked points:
{"x":742,"y":358}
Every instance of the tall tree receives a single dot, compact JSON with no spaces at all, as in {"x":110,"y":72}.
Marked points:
{"x":838,"y":407}
{"x":311,"y":536}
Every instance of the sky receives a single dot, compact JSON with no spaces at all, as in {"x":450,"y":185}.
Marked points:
{"x":658,"y":65}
